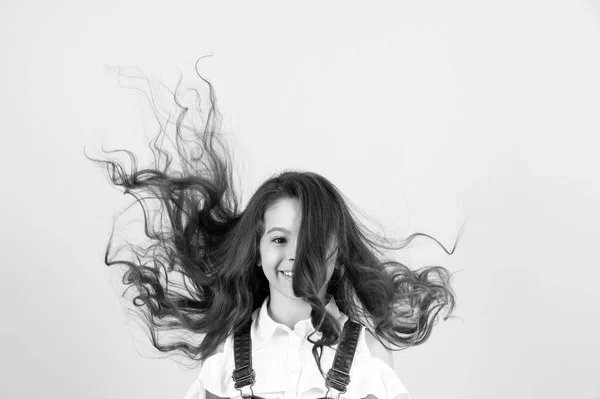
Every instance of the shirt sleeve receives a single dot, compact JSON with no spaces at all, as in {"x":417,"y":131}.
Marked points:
{"x":381,"y":381}
{"x":196,"y":391}
{"x":215,"y":375}
{"x":374,"y":376}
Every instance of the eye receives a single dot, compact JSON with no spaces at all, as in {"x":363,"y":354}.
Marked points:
{"x":279,"y":238}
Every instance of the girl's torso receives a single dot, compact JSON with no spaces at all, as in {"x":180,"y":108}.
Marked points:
{"x":285,"y":367}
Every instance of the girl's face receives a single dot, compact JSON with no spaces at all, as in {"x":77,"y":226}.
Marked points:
{"x":278,"y":247}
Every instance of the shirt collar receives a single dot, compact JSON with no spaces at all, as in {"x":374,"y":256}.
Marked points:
{"x":266,"y":326}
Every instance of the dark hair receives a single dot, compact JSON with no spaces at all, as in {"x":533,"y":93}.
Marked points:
{"x":203,"y":235}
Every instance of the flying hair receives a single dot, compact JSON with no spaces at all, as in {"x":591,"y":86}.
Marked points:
{"x":197,"y":273}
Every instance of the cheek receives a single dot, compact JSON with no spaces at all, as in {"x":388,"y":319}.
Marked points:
{"x":268,"y":256}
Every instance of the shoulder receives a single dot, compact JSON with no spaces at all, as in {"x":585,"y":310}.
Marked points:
{"x":221,"y":347}
{"x":377,"y":349}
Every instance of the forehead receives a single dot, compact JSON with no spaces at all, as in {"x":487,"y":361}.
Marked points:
{"x":285,"y":213}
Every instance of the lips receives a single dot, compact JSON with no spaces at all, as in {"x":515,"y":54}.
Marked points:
{"x":284,"y":276}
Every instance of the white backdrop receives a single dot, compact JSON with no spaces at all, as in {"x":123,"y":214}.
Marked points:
{"x":423,"y":113}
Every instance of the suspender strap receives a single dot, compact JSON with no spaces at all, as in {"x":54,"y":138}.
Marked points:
{"x":338,"y":376}
{"x":243,"y":375}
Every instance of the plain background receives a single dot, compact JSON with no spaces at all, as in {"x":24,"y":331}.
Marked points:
{"x":425,"y":114}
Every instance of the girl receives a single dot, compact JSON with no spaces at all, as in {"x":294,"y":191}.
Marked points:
{"x":288,"y":297}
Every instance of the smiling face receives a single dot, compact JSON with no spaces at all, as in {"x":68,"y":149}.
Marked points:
{"x":278,"y":247}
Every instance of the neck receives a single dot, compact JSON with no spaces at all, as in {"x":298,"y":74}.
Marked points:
{"x":288,"y":311}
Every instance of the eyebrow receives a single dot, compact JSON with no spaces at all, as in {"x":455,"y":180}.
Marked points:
{"x":280,"y":229}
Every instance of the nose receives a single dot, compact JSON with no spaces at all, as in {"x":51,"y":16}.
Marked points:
{"x":292,"y":252}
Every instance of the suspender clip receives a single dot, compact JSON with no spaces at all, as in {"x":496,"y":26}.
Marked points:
{"x":339,"y":378}
{"x":242,"y":375}
{"x":329,"y":389}
{"x":246,"y":394}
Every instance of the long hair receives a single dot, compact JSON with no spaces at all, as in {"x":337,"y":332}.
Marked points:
{"x":200,"y":233}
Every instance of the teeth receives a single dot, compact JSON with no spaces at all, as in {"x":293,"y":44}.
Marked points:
{"x":289,"y":274}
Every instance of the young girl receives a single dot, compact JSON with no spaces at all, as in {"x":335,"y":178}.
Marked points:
{"x":288,"y":297}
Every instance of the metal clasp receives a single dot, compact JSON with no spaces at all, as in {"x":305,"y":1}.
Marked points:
{"x":241,"y":378}
{"x":247,"y":394}
{"x":332,"y":389}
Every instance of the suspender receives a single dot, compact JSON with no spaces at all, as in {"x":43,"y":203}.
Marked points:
{"x":243,"y":374}
{"x":338,"y":376}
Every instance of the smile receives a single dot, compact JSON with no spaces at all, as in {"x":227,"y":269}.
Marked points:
{"x":287,"y":275}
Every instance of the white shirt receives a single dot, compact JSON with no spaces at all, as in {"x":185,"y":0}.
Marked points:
{"x":286,"y":369}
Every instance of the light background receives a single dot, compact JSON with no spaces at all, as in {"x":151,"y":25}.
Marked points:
{"x":424,"y":114}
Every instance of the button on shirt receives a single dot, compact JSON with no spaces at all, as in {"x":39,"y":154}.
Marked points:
{"x":285,"y":368}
